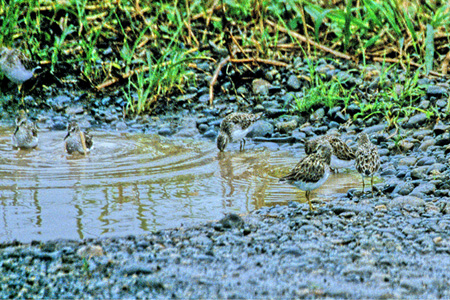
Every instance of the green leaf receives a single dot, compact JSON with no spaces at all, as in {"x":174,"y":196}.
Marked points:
{"x":429,"y":49}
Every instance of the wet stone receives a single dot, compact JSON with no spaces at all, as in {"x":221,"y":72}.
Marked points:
{"x":426,"y":161}
{"x":424,"y":188}
{"x":261,"y":128}
{"x":441,"y":103}
{"x":443,"y":139}
{"x":353,"y":109}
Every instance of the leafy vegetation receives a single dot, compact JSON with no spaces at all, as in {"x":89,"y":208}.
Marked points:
{"x":148,"y":48}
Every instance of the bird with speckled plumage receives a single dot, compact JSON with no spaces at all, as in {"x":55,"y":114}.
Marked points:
{"x":235,"y":127}
{"x":342,"y":157}
{"x":77,"y":141}
{"x":312,"y":171}
{"x":25,"y":135}
{"x":16,"y":66}
{"x":367,"y":161}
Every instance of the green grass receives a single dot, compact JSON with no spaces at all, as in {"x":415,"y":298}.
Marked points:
{"x":107,"y":41}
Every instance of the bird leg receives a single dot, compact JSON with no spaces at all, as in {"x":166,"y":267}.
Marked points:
{"x":371,"y":183}
{"x":307,"y":194}
{"x":363,"y":182}
{"x":83,"y":142}
{"x":241,"y":148}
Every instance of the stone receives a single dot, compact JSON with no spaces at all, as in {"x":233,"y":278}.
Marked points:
{"x":426,"y":144}
{"x":435,"y":90}
{"x":261,"y":128}
{"x":260,"y":86}
{"x":416,"y":120}
{"x":90,"y":251}
{"x":317,"y":115}
{"x":407,"y":161}
{"x":419,"y":172}
{"x":293,"y":83}
{"x":286,"y":127}
{"x":403,"y":201}
{"x":405,"y":145}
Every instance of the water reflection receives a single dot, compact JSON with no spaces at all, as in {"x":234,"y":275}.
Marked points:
{"x":136,"y":183}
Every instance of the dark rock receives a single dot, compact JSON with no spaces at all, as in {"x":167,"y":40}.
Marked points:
{"x":426,"y":144}
{"x":424,"y":188}
{"x":375,"y":128}
{"x":204,"y":98}
{"x":353,"y":109}
{"x":426,"y":161}
{"x":232,"y":221}
{"x":275,"y":112}
{"x":211,"y":133}
{"x":164,"y":131}
{"x":443,"y":139}
{"x":440,"y":128}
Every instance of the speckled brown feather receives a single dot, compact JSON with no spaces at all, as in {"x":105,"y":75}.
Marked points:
{"x":311,"y":168}
{"x":244,"y":120}
{"x":340,"y":149}
{"x":367,"y":160}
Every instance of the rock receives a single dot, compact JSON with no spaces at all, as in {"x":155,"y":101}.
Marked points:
{"x":424,"y":104}
{"x":435,"y":90}
{"x":441,"y":103}
{"x":407,"y":161}
{"x":317,"y":115}
{"x":232,"y":221}
{"x":293,"y":83}
{"x":353,"y":109}
{"x":405,"y":146}
{"x":286,"y":127}
{"x":211,"y":133}
{"x":404,"y":188}
{"x":440,"y":128}
{"x":426,"y":144}
{"x":204,"y":98}
{"x":375,"y":128}
{"x":424,"y":188}
{"x":90,"y":251}
{"x":402,"y":201}
{"x":426,"y":161}
{"x":443,"y":139}
{"x":422,"y":133}
{"x":419,"y":172}
{"x":59,"y":103}
{"x":276,"y":112}
{"x":416,"y":120}
{"x":260,"y":87}
{"x":261,"y":128}
{"x":164,"y":131}
{"x":121,"y":126}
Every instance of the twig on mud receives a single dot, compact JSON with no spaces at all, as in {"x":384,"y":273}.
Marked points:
{"x":222,"y":63}
{"x":305,"y":40}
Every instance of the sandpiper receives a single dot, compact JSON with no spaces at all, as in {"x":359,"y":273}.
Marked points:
{"x":342,"y":157}
{"x":311,"y":171}
{"x":25,"y":135}
{"x":77,"y":140}
{"x":235,"y":127}
{"x":367,"y":160}
{"x":16,"y":66}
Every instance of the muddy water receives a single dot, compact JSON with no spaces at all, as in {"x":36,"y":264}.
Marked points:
{"x":136,"y":183}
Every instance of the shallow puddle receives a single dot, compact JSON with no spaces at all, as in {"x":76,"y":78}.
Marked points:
{"x":136,"y":183}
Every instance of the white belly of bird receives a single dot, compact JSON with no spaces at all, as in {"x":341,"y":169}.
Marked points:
{"x":337,"y":163}
{"x":238,"y":133}
{"x":310,"y":186}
